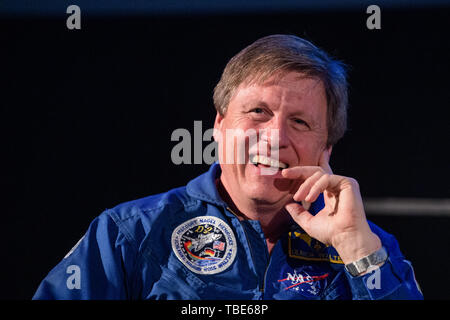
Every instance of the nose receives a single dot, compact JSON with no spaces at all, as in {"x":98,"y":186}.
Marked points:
{"x":273,"y":138}
{"x":275,"y":134}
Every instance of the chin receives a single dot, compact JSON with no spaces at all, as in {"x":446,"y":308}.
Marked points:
{"x":266,"y":194}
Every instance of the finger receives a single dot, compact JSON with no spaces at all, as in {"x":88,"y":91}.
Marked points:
{"x":319,"y":187}
{"x":305,"y":187}
{"x":324,"y":161}
{"x":306,"y":204}
{"x":329,"y":182}
{"x":298,"y":172}
{"x":301,"y":216}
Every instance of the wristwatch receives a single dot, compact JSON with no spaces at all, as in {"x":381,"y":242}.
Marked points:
{"x":372,"y":260}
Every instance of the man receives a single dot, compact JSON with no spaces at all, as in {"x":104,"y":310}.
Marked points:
{"x":276,"y":225}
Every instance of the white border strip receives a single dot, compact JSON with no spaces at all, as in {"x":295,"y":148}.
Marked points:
{"x":407,"y":207}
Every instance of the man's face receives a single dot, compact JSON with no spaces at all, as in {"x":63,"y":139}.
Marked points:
{"x":293,"y":105}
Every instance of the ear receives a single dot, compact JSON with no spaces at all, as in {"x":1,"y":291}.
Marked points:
{"x":217,"y":125}
{"x":326,"y":152}
{"x":330,"y":150}
{"x":324,"y":160}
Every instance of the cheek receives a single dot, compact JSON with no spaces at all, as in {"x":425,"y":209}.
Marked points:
{"x":308,"y":151}
{"x":233,"y":148}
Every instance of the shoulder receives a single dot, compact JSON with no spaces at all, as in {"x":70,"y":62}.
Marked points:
{"x":174,"y":199}
{"x":136,"y":218}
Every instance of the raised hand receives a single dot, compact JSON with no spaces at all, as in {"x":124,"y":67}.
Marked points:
{"x":342,"y":222}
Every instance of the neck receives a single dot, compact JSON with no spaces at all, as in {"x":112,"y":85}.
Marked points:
{"x":274,"y":219}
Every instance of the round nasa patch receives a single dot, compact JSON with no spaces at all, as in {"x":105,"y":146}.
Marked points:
{"x":205,"y":244}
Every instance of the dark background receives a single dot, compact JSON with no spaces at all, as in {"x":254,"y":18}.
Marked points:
{"x":86,"y":119}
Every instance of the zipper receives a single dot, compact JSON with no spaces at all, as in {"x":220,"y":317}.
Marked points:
{"x":262,"y":286}
{"x":246,"y":238}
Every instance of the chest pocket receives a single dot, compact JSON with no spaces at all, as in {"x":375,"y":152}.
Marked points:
{"x":306,"y":269}
{"x":307,"y":281}
{"x":178,"y":283}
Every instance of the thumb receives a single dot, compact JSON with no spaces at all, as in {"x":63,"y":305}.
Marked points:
{"x":301,"y":216}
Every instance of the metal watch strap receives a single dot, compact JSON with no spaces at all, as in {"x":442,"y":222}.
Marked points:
{"x":357,"y":267}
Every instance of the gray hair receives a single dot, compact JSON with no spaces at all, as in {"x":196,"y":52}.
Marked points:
{"x":284,"y":53}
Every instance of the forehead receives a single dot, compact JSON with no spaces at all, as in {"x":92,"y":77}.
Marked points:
{"x":291,"y":89}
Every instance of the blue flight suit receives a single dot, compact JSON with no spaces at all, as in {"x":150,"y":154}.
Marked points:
{"x":187,"y":244}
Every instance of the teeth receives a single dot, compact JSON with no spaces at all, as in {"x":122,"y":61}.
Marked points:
{"x":268,"y":162}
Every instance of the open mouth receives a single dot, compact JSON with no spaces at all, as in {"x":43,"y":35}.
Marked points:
{"x":258,"y":160}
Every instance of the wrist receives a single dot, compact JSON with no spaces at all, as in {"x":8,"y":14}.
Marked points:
{"x":354,"y":246}
{"x":368,"y":263}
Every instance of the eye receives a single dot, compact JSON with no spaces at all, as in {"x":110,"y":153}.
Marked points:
{"x":301,"y":122}
{"x":257,"y":110}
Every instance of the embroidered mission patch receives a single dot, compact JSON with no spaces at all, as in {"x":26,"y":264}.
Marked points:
{"x":205,"y":244}
{"x":302,"y":246}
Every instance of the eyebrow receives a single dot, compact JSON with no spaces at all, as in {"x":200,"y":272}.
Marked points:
{"x":256,"y":103}
{"x":260,"y":103}
{"x":299,"y":113}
